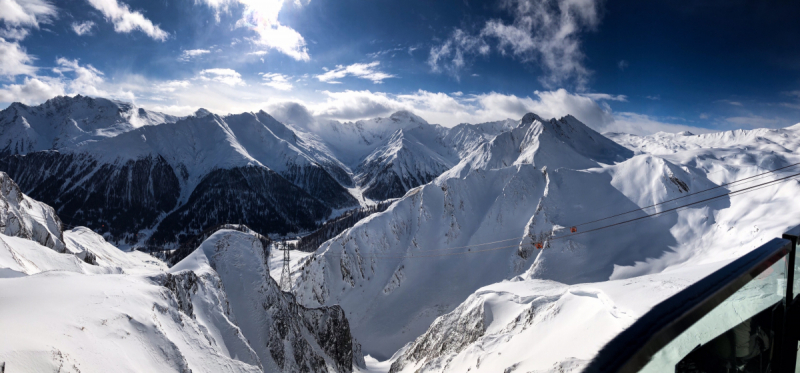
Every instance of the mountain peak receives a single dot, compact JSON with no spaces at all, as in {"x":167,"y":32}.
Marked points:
{"x":201,"y":113}
{"x":529,"y":118}
{"x":405,"y":115}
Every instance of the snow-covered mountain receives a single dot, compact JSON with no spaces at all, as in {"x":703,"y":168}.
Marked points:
{"x":169,"y":177}
{"x":474,"y":268}
{"x":93,"y":308}
{"x":136,"y":175}
{"x":478,"y":223}
{"x":64,"y":121}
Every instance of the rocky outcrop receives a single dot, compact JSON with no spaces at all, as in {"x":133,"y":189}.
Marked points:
{"x":286,"y":336}
{"x":21,"y":216}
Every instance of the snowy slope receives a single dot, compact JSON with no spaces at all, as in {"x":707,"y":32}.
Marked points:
{"x":81,"y":240}
{"x":94,"y":308}
{"x":63,"y":321}
{"x":399,"y":165}
{"x":530,"y":185}
{"x":501,"y":327}
{"x":389,"y":156}
{"x":63,"y":121}
{"x":531,"y":325}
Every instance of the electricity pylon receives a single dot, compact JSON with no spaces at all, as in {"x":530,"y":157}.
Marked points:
{"x":286,"y":277}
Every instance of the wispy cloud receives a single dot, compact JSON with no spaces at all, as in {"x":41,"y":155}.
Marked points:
{"x":622,"y":65}
{"x":225,"y":76}
{"x":451,"y":56}
{"x":125,"y":20}
{"x":28,"y":13}
{"x":545,"y":32}
{"x":384,"y":52}
{"x":605,"y":97}
{"x":729,"y":102}
{"x":192,"y":53}
{"x":278,"y":81}
{"x":367,"y":71}
{"x":14,"y":60}
{"x":82,"y":28}
{"x":18,"y":16}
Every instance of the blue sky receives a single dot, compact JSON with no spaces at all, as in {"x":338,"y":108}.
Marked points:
{"x":635,"y":66}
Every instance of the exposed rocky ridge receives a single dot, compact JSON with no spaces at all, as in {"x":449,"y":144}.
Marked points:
{"x":21,"y":216}
{"x":272,"y":321}
{"x":398,"y":166}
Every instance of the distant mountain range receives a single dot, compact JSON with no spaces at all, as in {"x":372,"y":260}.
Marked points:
{"x":146,"y":178}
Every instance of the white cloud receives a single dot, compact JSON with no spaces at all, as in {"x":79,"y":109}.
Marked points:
{"x":192,"y":53}
{"x":291,"y":113}
{"x":450,"y":110}
{"x":82,"y":28}
{"x":172,"y":85}
{"x":545,"y":32}
{"x":277,"y":81}
{"x":622,"y":65}
{"x":225,"y":76}
{"x":19,"y":16}
{"x":28,"y":13}
{"x":14,"y":33}
{"x":14,"y":60}
{"x":351,"y":105}
{"x":86,"y":79}
{"x":359,"y":70}
{"x":125,"y":20}
{"x":261,"y":16}
{"x":31,"y":91}
{"x":605,"y":97}
{"x":70,"y":78}
{"x":451,"y":55}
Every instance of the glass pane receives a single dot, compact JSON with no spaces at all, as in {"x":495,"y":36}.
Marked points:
{"x":796,"y":282}
{"x":795,"y":292}
{"x":734,"y":336}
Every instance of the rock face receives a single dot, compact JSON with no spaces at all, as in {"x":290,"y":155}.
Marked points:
{"x":284,"y":335}
{"x":24,"y":217}
{"x":118,"y":198}
{"x":254,"y":196}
